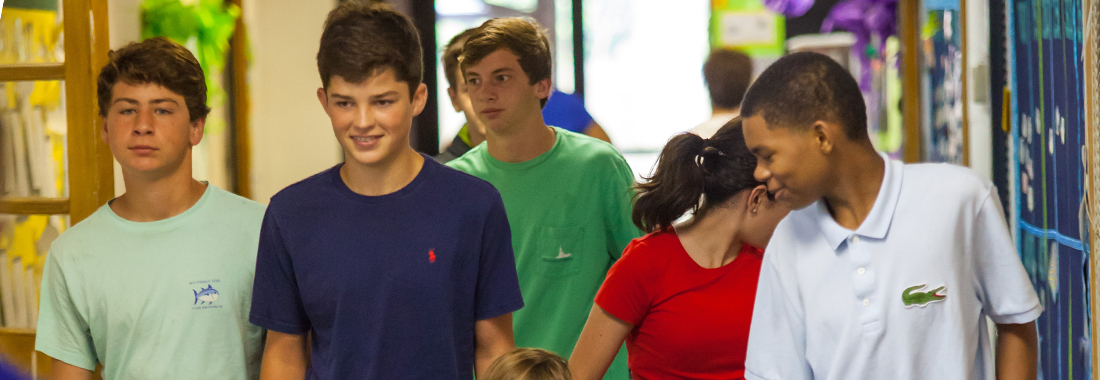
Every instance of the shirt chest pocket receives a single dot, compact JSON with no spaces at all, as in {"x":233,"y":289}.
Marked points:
{"x":560,"y":251}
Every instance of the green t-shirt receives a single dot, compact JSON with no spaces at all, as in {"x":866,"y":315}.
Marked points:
{"x":569,"y":211}
{"x":157,"y":300}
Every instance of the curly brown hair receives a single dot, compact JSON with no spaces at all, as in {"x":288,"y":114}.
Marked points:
{"x":157,"y":61}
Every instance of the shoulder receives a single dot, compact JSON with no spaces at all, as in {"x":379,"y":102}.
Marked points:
{"x":590,"y":151}
{"x":471,"y":161}
{"x":799,"y":229}
{"x":651,"y":250}
{"x":234,"y":204}
{"x":449,"y":179}
{"x":305,"y":190}
{"x":945,"y":184}
{"x":77,"y":239}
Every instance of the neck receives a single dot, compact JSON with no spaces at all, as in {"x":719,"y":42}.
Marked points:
{"x":712,"y":239}
{"x":475,"y":134}
{"x":720,"y":110}
{"x":856,"y":187}
{"x":526,"y":142}
{"x":150,"y":198}
{"x":384,"y":177}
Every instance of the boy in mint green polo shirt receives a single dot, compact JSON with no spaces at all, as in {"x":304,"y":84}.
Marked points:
{"x":567,"y":195}
{"x":157,"y":283}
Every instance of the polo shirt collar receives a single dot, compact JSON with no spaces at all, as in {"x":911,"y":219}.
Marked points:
{"x":878,"y":220}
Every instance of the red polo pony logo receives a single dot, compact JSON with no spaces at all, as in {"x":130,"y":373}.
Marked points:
{"x":431,"y":255}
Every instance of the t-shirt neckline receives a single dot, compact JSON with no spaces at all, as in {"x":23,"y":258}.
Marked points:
{"x":341,"y":187}
{"x":682,"y":252}
{"x":517,"y":166}
{"x":163,"y":224}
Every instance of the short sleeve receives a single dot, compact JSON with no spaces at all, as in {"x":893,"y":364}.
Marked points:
{"x":620,"y":198}
{"x":497,"y":282}
{"x":1003,"y":286}
{"x":777,"y":336}
{"x":63,"y":332}
{"x":276,"y":301}
{"x":627,"y":293}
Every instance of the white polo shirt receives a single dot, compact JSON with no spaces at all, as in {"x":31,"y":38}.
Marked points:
{"x":904,"y":296}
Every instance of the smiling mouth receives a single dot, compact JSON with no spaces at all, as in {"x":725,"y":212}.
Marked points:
{"x":365,"y":139}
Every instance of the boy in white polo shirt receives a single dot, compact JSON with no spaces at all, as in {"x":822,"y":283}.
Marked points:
{"x":885,"y":270}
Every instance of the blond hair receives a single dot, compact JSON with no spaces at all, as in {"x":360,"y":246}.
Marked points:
{"x":528,"y":364}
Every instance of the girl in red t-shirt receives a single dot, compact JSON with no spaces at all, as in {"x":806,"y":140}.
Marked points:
{"x":682,"y":295}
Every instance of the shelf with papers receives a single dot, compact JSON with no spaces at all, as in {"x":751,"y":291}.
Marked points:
{"x":24,"y":206}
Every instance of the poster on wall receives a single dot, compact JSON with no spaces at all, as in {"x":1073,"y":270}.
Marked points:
{"x":942,"y":129}
{"x":1047,"y":73}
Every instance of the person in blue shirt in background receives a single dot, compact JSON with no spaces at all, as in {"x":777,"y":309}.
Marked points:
{"x":567,"y":112}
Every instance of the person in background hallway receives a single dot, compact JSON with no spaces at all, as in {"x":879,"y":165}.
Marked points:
{"x":156,"y":284}
{"x":529,"y":364}
{"x":567,"y":195}
{"x":727,"y":74}
{"x":473,"y":132}
{"x":682,"y":295}
{"x":567,"y":112}
{"x":884,"y":270}
{"x":396,"y":266}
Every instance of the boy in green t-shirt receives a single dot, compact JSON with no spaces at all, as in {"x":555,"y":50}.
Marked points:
{"x":157,"y":283}
{"x":567,"y":195}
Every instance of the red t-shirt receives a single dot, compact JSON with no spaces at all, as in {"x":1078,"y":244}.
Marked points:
{"x":689,"y":321}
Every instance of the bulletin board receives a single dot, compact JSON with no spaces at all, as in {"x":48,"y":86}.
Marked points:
{"x":1047,"y":73}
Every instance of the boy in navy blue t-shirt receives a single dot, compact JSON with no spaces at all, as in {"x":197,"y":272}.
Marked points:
{"x":399,"y":267}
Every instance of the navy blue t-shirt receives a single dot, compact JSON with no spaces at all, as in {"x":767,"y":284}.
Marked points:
{"x":390,"y":285}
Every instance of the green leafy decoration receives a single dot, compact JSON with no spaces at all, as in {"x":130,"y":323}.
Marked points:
{"x":209,"y":22}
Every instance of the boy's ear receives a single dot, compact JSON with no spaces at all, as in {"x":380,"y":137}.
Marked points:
{"x":322,"y":96}
{"x":824,"y":136}
{"x":420,"y":99}
{"x":103,"y":133}
{"x":543,"y":88}
{"x":454,"y":98}
{"x":198,"y":127}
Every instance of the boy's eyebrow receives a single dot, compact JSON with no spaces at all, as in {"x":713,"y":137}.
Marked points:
{"x":503,"y":70}
{"x":164,"y":100}
{"x":341,"y":96}
{"x":384,"y":94}
{"x":127,"y":100}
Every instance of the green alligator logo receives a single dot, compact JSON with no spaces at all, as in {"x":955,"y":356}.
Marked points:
{"x":921,"y":298}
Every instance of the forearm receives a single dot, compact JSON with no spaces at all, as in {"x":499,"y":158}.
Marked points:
{"x":600,"y":340}
{"x":66,"y":371}
{"x":285,"y":357}
{"x":493,"y":337}
{"x":484,"y":356}
{"x":1017,"y":351}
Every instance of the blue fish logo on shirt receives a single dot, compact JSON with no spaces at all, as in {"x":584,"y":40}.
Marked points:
{"x":208,"y":295}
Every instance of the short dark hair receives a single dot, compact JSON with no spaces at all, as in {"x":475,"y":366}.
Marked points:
{"x":521,"y":35}
{"x":804,"y":87}
{"x":158,"y":61}
{"x":727,"y":73}
{"x":361,"y":39}
{"x":451,"y":54}
{"x":691,"y":167}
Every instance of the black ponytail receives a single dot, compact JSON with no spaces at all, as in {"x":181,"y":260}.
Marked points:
{"x":690,"y":168}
